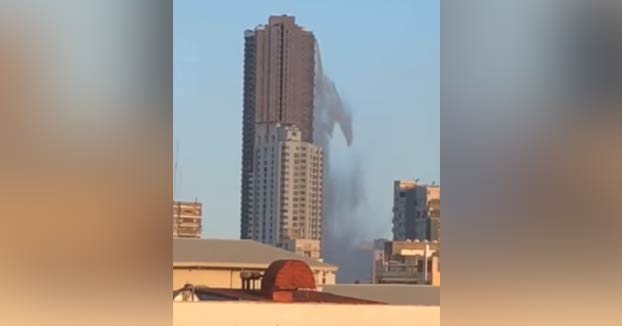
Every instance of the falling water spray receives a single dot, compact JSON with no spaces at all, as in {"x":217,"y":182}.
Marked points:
{"x":344,"y":194}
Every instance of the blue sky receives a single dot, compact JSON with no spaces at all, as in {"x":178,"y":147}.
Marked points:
{"x":384,"y":57}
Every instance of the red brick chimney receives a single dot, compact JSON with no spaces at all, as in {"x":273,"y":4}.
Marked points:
{"x":284,"y":277}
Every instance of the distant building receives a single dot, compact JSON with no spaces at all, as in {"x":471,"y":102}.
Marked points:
{"x":279,"y":62}
{"x":187,"y":219}
{"x":408,"y":262}
{"x":304,"y":247}
{"x":377,"y":256}
{"x":416,"y":211}
{"x":223,"y":263}
{"x":286,"y":196}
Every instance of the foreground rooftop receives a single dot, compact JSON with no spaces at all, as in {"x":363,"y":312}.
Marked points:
{"x":285,"y":281}
{"x":298,"y":296}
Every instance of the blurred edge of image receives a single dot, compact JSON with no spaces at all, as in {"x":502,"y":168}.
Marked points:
{"x":531,"y":156}
{"x":85,"y":169}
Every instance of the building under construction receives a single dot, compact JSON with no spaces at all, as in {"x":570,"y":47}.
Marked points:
{"x":187,"y":219}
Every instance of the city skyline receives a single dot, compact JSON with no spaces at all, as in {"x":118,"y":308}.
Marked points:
{"x":394,"y":99}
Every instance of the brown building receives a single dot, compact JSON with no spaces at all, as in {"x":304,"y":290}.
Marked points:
{"x":187,"y":219}
{"x":279,"y":62}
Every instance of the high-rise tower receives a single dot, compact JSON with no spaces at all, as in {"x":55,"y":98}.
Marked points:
{"x":286,"y":192}
{"x":278,"y":87}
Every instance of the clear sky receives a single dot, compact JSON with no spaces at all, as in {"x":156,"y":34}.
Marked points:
{"x":384,"y":57}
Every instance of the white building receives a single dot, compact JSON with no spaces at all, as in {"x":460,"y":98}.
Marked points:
{"x":286,"y":195}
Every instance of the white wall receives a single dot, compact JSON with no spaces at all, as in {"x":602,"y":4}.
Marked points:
{"x":301,"y":314}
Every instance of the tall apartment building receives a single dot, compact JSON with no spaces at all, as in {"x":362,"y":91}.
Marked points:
{"x":286,"y":189}
{"x":416,"y":211}
{"x":279,"y":62}
{"x":187,"y":219}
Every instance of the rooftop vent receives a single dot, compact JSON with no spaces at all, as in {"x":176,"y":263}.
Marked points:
{"x":283,"y":277}
{"x":248,"y":279}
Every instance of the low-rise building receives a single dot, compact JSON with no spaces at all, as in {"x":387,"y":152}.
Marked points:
{"x":408,"y":262}
{"x":187,"y":219}
{"x":222,"y":263}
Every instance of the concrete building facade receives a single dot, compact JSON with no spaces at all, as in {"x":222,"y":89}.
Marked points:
{"x":286,"y":191}
{"x":187,"y":218}
{"x":278,"y":87}
{"x":416,"y":211}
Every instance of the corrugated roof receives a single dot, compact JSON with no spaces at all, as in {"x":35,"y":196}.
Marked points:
{"x":237,"y":253}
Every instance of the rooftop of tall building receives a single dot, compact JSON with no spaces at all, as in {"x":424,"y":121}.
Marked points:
{"x":275,"y":19}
